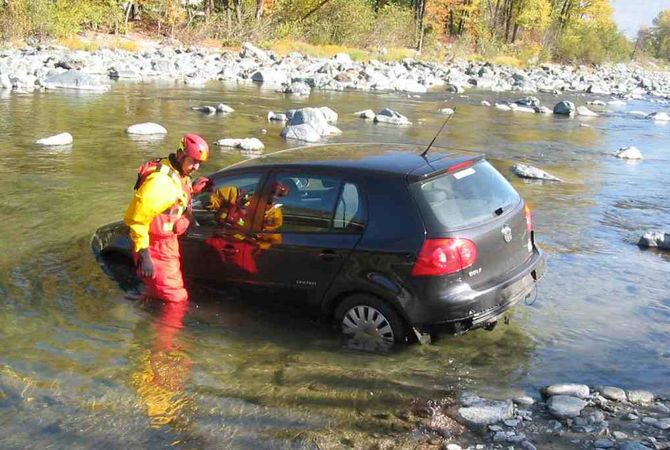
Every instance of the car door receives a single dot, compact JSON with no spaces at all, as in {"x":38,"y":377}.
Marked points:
{"x":216,"y":247}
{"x":305,"y":229}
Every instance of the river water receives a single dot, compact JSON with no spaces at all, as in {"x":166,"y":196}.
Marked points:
{"x":83,"y":363}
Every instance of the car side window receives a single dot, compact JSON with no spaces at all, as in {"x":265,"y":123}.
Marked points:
{"x":229,"y":203}
{"x":300,"y":203}
{"x":349,"y":213}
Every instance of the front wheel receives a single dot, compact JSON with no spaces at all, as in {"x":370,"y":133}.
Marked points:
{"x":370,"y":324}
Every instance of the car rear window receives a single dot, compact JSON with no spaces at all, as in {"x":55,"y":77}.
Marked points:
{"x":468,"y":196}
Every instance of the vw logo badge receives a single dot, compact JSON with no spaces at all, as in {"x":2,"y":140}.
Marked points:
{"x":507,"y":233}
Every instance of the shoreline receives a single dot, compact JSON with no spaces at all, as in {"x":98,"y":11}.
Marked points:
{"x":29,"y":68}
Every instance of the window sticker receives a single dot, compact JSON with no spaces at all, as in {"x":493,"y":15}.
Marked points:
{"x":464,"y":173}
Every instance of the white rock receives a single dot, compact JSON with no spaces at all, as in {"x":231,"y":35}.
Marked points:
{"x":655,"y":239}
{"x":446,"y":111}
{"x":524,"y":109}
{"x":277,"y":117}
{"x":528,"y":171}
{"x":58,"y":139}
{"x":641,"y":397}
{"x":251,"y":144}
{"x":248,"y":144}
{"x":613,"y":393}
{"x":390,"y":116}
{"x":486,"y":412}
{"x":232,"y":143}
{"x":485,"y":103}
{"x":503,"y":107}
{"x":330,"y":115}
{"x":366,"y":114}
{"x":628,"y":153}
{"x":573,"y":390}
{"x":659,"y":117}
{"x":586,"y":112}
{"x":302,"y":132}
{"x":224,"y":108}
{"x":146,"y":128}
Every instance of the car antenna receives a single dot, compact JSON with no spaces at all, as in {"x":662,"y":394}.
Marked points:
{"x":425,"y":152}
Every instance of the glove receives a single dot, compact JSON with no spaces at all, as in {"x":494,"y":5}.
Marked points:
{"x":201,"y":184}
{"x":145,"y":266}
{"x":181,"y":225}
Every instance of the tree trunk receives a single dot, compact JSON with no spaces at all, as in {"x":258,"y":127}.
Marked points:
{"x":259,"y":8}
{"x":238,"y":10}
{"x":421,"y":12}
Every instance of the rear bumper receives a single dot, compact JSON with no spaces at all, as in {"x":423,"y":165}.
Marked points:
{"x":461,"y":308}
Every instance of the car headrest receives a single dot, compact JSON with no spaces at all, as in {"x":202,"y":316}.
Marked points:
{"x":435,"y":195}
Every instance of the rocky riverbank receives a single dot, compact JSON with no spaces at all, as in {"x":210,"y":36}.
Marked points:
{"x":560,"y":416}
{"x":54,"y":67}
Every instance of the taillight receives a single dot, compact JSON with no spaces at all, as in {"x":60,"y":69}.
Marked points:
{"x":445,"y":256}
{"x":529,"y":218}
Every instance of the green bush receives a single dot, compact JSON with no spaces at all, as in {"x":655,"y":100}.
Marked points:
{"x":592,"y":44}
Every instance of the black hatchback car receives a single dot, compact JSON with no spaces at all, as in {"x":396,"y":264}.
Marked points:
{"x":388,"y":243}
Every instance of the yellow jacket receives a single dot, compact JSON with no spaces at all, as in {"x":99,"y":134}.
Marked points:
{"x":158,"y":193}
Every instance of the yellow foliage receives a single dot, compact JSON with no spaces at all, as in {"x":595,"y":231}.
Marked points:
{"x":75,"y":43}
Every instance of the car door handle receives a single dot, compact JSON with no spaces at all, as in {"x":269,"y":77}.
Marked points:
{"x":327,"y":255}
{"x":230,"y":250}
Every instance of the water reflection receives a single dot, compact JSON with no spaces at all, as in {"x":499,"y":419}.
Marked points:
{"x":163,"y":366}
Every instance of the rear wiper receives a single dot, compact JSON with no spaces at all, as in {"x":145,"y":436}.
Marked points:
{"x":498,"y":211}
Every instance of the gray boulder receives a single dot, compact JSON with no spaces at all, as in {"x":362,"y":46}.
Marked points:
{"x":249,"y":50}
{"x":485,"y":412}
{"x":659,"y":117}
{"x":533,"y":102}
{"x":565,"y":406}
{"x":270,"y":77}
{"x":564,"y":108}
{"x":224,"y":109}
{"x":367,"y":114}
{"x":302,"y":132}
{"x":248,"y":144}
{"x":73,"y":79}
{"x":657,"y":239}
{"x":297,"y":88}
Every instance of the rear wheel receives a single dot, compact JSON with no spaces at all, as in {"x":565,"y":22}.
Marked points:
{"x":370,"y":324}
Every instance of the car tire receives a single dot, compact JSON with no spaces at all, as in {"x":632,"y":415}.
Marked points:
{"x":369,"y":323}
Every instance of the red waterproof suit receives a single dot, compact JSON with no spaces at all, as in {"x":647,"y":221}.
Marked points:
{"x":156,"y":219}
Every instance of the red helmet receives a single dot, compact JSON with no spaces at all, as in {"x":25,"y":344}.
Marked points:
{"x":194,"y":146}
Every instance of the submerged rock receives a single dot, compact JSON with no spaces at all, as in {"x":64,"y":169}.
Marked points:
{"x":486,"y":412}
{"x":277,"y":117}
{"x":58,"y":139}
{"x":392,"y":117}
{"x":657,"y":239}
{"x":527,"y":171}
{"x":225,"y":109}
{"x":585,"y":112}
{"x":628,"y":153}
{"x":146,"y":128}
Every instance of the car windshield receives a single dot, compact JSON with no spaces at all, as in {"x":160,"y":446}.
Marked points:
{"x":468,"y":196}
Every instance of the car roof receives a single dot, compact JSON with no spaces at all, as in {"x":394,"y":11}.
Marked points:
{"x":398,"y":159}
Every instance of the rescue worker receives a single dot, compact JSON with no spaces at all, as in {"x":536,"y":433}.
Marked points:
{"x":156,"y":216}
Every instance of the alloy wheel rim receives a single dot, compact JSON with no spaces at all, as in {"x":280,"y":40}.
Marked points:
{"x":367,"y":329}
